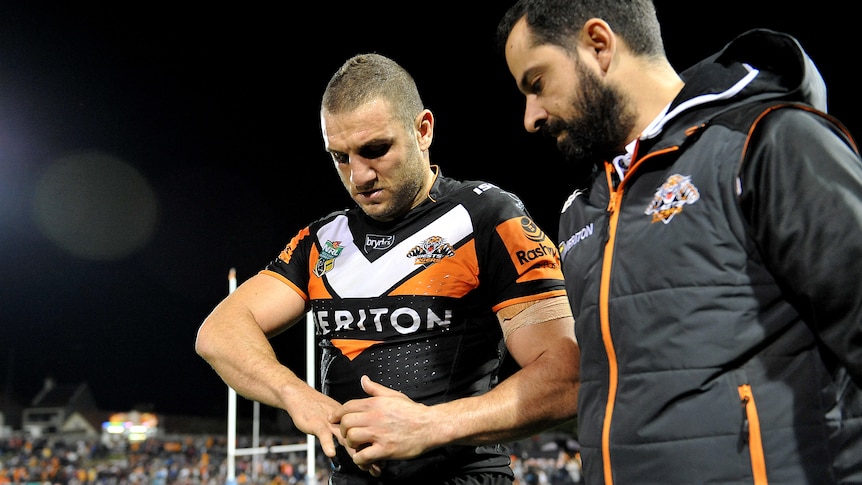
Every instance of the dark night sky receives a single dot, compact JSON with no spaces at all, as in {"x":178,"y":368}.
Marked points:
{"x":145,"y":150}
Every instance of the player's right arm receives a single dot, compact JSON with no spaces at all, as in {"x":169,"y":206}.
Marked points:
{"x":234,"y":340}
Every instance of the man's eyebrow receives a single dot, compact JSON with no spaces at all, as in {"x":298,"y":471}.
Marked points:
{"x":381,"y":140}
{"x":386,"y":140}
{"x":525,"y":82}
{"x":375,"y":144}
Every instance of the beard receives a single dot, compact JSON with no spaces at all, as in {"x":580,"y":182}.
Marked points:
{"x":601,"y":129}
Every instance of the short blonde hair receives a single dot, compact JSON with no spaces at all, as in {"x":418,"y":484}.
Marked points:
{"x":367,"y":77}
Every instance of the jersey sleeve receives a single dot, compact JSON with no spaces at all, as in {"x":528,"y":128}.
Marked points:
{"x":292,"y":264}
{"x":519,"y":262}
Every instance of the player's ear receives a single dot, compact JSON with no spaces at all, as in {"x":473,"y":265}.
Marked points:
{"x":424,"y":129}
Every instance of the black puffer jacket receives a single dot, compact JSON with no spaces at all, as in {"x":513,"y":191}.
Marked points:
{"x":718,"y":301}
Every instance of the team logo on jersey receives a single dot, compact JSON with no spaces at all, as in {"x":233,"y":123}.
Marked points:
{"x":326,"y":260}
{"x":671,"y":197}
{"x":515,"y":199}
{"x":431,"y":250}
{"x":531,"y":230}
{"x":376,"y":241}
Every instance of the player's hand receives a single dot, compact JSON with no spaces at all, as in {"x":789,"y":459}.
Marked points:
{"x":387,"y":425}
{"x":313,"y":418}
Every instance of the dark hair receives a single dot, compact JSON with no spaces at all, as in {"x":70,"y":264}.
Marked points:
{"x":558,"y":21}
{"x":367,"y":77}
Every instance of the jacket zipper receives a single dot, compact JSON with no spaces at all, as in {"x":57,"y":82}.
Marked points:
{"x":751,"y":434}
{"x":613,"y":204}
{"x":615,"y":190}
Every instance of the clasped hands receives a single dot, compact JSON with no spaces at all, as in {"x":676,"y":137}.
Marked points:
{"x":387,"y":425}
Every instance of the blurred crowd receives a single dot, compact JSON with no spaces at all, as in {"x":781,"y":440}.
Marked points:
{"x":203,"y":460}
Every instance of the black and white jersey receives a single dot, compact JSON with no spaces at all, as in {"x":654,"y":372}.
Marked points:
{"x":411,"y":303}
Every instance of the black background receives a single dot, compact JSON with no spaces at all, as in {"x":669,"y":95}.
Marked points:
{"x":217,"y":110}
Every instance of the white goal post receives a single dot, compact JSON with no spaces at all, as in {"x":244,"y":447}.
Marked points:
{"x":310,"y":445}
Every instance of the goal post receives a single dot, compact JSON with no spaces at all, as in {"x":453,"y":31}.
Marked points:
{"x":310,"y":445}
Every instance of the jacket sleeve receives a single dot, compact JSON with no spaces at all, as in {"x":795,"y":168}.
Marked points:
{"x":802,"y":195}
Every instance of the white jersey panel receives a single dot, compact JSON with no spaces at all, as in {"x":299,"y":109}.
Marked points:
{"x":351,"y":276}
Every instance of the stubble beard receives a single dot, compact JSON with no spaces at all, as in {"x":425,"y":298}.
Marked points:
{"x":404,"y":192}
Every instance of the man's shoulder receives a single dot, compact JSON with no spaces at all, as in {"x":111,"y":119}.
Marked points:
{"x":479,"y":194}
{"x":331,"y":216}
{"x":744,"y":116}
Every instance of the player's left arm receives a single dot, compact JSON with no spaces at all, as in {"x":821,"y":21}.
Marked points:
{"x":541,"y":394}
